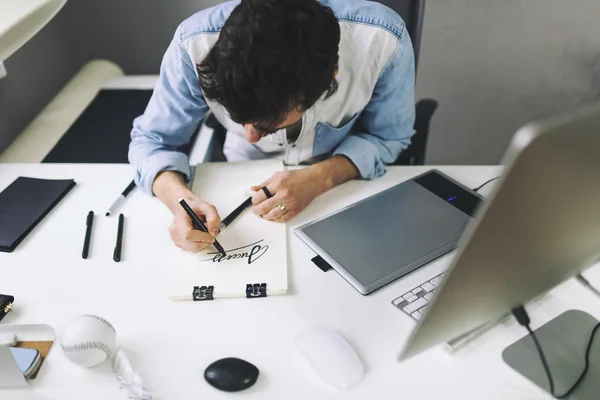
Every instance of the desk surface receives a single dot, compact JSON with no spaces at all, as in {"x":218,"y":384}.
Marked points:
{"x":171,"y":343}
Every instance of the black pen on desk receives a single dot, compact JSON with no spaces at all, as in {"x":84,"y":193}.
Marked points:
{"x":89,"y":221}
{"x":119,"y":244}
{"x":235,"y":213}
{"x":120,"y":199}
{"x":198,"y":224}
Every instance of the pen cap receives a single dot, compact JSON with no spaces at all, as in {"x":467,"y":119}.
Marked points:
{"x":129,"y":188}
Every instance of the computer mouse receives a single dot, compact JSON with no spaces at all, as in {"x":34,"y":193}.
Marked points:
{"x":231,"y":374}
{"x":331,"y":356}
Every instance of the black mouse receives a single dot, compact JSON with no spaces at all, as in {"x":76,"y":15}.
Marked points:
{"x":231,"y":374}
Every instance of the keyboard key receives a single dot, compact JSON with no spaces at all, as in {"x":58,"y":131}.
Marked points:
{"x":417,"y":290}
{"x":428,"y":286}
{"x":408,"y":295}
{"x":416,"y":315}
{"x":436,"y":281}
{"x":398,"y":301}
{"x":415,"y":305}
{"x":429,"y":296}
{"x":411,"y":299}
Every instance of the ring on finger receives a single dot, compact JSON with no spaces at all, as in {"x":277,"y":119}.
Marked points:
{"x":283,"y":208}
{"x":267,"y":192}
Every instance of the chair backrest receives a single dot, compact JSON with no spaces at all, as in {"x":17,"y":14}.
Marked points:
{"x":412,"y":12}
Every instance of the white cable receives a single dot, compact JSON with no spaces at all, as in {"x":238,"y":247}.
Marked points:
{"x":129,"y":379}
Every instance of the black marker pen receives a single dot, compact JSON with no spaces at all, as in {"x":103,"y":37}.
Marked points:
{"x":119,"y":244}
{"x":88,"y":235}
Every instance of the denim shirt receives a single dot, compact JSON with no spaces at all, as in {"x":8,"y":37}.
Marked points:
{"x":369,"y":119}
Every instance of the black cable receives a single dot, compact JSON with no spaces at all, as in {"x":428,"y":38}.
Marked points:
{"x":543,"y":358}
{"x":523,"y":318}
{"x":587,"y":284}
{"x":485,"y":183}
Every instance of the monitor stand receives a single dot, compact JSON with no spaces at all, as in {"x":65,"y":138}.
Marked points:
{"x":463,"y":340}
{"x":563,"y":340}
{"x":453,"y":345}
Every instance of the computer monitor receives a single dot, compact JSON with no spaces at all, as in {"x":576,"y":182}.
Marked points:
{"x":539,"y":227}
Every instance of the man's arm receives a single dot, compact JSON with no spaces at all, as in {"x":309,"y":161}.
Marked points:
{"x":386,"y":125}
{"x":169,"y":187}
{"x":175,"y":109}
{"x":334,"y":171}
{"x":383,"y":130}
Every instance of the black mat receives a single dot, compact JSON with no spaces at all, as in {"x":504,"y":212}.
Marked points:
{"x":101,"y":134}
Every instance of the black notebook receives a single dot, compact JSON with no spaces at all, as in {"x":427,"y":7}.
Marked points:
{"x":24,"y":203}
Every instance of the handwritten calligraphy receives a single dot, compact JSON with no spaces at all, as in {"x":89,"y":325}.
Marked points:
{"x":256,"y":251}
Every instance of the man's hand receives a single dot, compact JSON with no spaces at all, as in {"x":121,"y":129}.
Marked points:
{"x":169,"y":187}
{"x":294,"y":190}
{"x":183,"y":233}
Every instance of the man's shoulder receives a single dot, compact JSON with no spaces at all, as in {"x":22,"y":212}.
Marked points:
{"x":209,"y":20}
{"x":369,"y":13}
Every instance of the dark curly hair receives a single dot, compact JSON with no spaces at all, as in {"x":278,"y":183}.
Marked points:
{"x":272,"y":56}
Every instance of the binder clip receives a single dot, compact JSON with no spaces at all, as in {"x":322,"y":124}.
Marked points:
{"x":6,"y":305}
{"x":256,"y":290}
{"x":202,"y":293}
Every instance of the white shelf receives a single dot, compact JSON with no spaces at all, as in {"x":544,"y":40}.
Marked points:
{"x":20,"y":20}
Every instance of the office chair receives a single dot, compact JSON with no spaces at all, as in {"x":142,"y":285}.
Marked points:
{"x":412,"y":12}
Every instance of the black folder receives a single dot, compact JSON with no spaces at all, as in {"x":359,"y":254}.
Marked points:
{"x":24,"y":203}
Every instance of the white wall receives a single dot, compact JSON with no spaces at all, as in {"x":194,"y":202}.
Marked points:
{"x":494,"y":65}
{"x":133,"y":33}
{"x":36,"y":72}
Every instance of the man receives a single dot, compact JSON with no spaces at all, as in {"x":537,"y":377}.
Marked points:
{"x":327,"y":83}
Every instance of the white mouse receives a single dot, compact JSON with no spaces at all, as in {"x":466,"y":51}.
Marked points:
{"x":331,"y":356}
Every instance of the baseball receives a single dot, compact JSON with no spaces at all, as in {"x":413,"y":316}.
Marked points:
{"x":88,"y":340}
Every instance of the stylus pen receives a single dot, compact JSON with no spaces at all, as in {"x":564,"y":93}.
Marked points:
{"x":88,"y":235}
{"x":199,"y":224}
{"x":235,"y":213}
{"x":119,"y":245}
{"x":120,"y":199}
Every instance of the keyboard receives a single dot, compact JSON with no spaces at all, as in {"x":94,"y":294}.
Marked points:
{"x":414,"y":302}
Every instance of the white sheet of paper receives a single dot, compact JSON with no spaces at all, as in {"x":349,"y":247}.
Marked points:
{"x":256,"y":248}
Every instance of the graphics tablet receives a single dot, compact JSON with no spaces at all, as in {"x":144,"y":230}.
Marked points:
{"x":385,"y":236}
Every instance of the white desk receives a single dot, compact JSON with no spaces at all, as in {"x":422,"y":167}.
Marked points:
{"x":172,"y":342}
